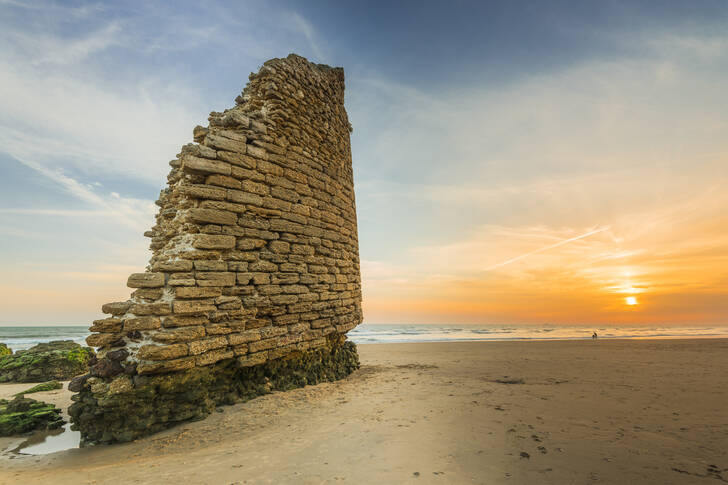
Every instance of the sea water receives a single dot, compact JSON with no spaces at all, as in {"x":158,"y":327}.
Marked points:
{"x":383,"y":333}
{"x":21,"y":338}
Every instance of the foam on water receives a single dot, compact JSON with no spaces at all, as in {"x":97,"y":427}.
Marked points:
{"x":22,"y":338}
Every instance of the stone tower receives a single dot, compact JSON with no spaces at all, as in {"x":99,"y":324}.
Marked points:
{"x":254,"y":278}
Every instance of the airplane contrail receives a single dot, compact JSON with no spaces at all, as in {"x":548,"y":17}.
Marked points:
{"x":560,"y":243}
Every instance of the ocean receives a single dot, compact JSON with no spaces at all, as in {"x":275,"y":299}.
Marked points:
{"x":20,"y":338}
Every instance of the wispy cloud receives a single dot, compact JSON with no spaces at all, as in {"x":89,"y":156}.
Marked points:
{"x":546,"y":248}
{"x":300,"y":24}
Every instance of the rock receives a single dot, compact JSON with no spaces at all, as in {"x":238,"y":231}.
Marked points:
{"x":4,"y":350}
{"x":23,"y":414}
{"x":59,"y":360}
{"x":77,"y":383}
{"x":119,"y":355}
{"x":145,"y":280}
{"x":46,"y":386}
{"x":126,"y":409}
{"x":106,"y":368}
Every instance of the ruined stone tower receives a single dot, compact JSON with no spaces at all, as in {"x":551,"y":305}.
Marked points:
{"x":254,"y":278}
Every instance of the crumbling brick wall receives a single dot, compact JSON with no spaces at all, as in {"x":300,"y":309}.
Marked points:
{"x":255,"y":251}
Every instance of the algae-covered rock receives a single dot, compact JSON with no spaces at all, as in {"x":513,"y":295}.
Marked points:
{"x":59,"y":360}
{"x":46,"y":386}
{"x":4,"y":350}
{"x":23,"y":414}
{"x":125,"y":408}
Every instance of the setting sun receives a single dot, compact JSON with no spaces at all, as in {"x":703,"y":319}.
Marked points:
{"x":631,"y":300}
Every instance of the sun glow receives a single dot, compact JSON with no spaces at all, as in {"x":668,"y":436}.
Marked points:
{"x":631,"y":300}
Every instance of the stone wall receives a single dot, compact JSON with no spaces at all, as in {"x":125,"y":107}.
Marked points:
{"x":255,"y":252}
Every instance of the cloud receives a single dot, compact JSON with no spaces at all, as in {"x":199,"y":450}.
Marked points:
{"x":134,"y":213}
{"x":304,"y":27}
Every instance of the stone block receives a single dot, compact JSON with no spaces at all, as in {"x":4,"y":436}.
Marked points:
{"x":242,"y":197}
{"x":250,"y":244}
{"x":213,"y":356}
{"x":279,"y":247}
{"x":173,"y":365}
{"x":142,"y":323}
{"x":259,"y":345}
{"x":211,"y":265}
{"x":162,"y":352}
{"x":235,"y":118}
{"x":212,"y":216}
{"x":197,"y":292}
{"x":264,"y":267}
{"x":107,"y":325}
{"x":102,"y":339}
{"x":145,"y":280}
{"x":116,"y":308}
{"x":204,"y":165}
{"x":237,"y":160}
{"x":208,"y":241}
{"x":200,"y":346}
{"x":181,"y":334}
{"x":160,"y":308}
{"x":226,"y":140}
{"x":174,"y":321}
{"x":224,"y":180}
{"x":244,"y":337}
{"x":192,"y":307}
{"x":173,"y":266}
{"x":215,"y":278}
{"x":200,"y":191}
{"x":257,"y":152}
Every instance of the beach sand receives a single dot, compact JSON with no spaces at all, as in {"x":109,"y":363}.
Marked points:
{"x":619,"y":411}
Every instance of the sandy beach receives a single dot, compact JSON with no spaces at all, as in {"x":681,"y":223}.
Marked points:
{"x":621,"y":411}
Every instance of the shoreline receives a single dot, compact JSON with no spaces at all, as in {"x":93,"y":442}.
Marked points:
{"x":573,"y":339}
{"x":624,"y":410}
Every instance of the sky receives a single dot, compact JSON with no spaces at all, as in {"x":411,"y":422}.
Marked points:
{"x":514,"y":162}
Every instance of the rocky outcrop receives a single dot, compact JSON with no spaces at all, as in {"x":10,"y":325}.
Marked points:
{"x":255,"y":262}
{"x":127,"y":407}
{"x":23,"y":414}
{"x":4,"y":350}
{"x":58,"y":360}
{"x":46,"y":386}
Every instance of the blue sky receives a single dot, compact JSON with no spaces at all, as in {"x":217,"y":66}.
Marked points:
{"x":483,"y":131}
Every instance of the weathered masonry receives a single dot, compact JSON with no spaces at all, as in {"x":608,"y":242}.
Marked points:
{"x":254,"y":278}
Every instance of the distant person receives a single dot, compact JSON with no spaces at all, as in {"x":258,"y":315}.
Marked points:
{"x":595,"y":336}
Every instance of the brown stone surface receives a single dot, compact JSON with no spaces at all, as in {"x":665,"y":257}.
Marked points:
{"x":255,"y":250}
{"x":162,"y":352}
{"x":145,"y":280}
{"x":142,"y":323}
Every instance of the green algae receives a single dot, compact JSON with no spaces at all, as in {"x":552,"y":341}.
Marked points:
{"x":5,"y":350}
{"x":126,"y":408}
{"x":59,"y":360}
{"x":46,"y":386}
{"x":23,"y":414}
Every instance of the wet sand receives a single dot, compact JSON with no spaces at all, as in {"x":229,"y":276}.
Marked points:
{"x":648,"y":411}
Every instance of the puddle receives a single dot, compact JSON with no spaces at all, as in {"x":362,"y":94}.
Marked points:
{"x":50,"y":441}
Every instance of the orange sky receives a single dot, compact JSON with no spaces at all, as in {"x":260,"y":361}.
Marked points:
{"x":672,"y":260}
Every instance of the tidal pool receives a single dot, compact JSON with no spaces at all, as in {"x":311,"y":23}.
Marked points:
{"x":51,"y":441}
